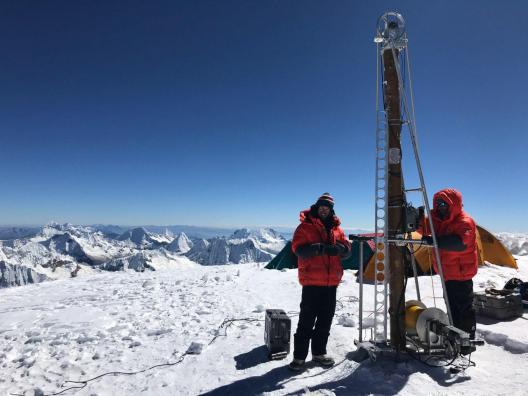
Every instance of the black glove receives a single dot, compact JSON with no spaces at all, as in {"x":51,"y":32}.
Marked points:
{"x":451,"y":242}
{"x":421,"y":213}
{"x":310,"y":250}
{"x":345,"y":250}
{"x":427,"y":239}
{"x":332,"y":250}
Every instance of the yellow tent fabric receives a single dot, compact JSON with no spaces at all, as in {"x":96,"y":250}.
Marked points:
{"x":493,"y":251}
{"x":489,"y":249}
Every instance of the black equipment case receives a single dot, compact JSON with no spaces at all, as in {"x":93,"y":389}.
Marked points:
{"x":498,"y":304}
{"x":277,"y":333}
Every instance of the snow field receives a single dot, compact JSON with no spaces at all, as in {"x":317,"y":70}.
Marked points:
{"x":76,"y":329}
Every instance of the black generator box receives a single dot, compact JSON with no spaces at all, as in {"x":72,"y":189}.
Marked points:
{"x":277,"y":330}
{"x":498,"y":304}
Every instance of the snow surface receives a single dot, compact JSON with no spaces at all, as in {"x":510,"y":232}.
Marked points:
{"x":79,"y":328}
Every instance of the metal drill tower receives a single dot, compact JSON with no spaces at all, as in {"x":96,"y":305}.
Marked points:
{"x":394,"y":111}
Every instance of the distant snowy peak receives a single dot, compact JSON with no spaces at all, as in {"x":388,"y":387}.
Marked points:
{"x":516,"y":243}
{"x":109,"y":230}
{"x":162,"y":239}
{"x":265,"y":239}
{"x":136,"y":235}
{"x":248,"y":252}
{"x":168,"y":234}
{"x":67,"y":244}
{"x":219,"y":251}
{"x":142,"y":238}
{"x":243,"y":246}
{"x":210,"y":252}
{"x":242,"y":233}
{"x":54,"y":228}
{"x":263,"y":234}
{"x":180,"y":244}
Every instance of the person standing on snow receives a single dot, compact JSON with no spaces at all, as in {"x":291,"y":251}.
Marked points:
{"x":320,"y":244}
{"x":456,"y":236}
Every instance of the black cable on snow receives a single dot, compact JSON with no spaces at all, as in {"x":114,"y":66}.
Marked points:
{"x":82,"y":384}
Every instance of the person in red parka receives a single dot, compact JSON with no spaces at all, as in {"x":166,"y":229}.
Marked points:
{"x":456,"y":236}
{"x":320,"y":244}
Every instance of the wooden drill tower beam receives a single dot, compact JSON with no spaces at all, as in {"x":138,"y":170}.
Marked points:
{"x":396,"y":198}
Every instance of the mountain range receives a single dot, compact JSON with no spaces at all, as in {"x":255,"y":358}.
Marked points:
{"x":65,"y":250}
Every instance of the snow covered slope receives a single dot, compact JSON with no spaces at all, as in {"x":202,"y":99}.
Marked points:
{"x":80,"y":328}
{"x":516,"y":243}
{"x":143,"y":260}
{"x":16,"y":275}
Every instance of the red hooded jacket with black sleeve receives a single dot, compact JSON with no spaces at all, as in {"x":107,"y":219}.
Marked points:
{"x":456,"y":265}
{"x":319,"y":270}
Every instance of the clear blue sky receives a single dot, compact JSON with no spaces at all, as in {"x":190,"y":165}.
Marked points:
{"x":231,"y":113}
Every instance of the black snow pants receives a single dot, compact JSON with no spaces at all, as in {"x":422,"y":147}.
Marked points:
{"x":460,"y":296}
{"x":318,"y":305}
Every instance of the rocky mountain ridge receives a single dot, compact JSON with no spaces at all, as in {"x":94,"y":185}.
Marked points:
{"x":63,"y":250}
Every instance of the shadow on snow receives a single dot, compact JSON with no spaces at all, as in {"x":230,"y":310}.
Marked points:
{"x":384,"y":376}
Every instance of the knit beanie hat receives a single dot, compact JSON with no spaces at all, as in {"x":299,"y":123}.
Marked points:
{"x":325,"y":200}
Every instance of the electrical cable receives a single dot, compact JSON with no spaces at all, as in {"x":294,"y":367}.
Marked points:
{"x":418,"y":358}
{"x":418,"y":248}
{"x":470,"y":363}
{"x":228,"y":323}
{"x":85,"y":382}
{"x":82,"y":384}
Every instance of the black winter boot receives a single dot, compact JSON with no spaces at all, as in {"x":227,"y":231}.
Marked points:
{"x":323,"y":360}
{"x":297,"y":365}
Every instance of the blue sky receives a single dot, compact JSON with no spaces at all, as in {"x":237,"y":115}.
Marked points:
{"x":231,"y":113}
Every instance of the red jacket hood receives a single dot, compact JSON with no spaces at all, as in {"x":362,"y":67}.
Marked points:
{"x":453,"y":199}
{"x":306,"y":216}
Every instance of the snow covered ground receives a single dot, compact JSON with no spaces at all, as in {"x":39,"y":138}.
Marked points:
{"x":76,"y":329}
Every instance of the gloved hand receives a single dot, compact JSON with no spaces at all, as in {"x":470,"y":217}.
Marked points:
{"x":318,"y":248}
{"x":342,"y":247}
{"x":345,"y":251}
{"x":332,"y":250}
{"x":421,"y":213}
{"x":310,"y":250}
{"x":427,"y":239}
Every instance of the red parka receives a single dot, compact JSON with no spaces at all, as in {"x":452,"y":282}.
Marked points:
{"x":455,"y":265}
{"x":321,"y":270}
